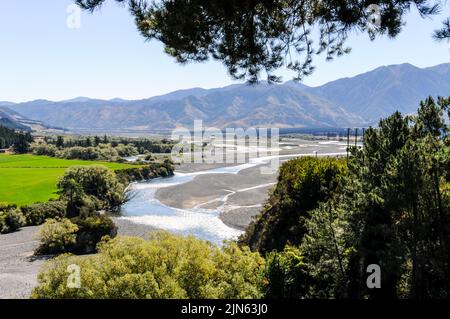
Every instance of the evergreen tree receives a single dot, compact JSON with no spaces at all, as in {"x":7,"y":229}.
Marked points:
{"x":259,"y":36}
{"x":391,"y":210}
{"x":59,"y":142}
{"x":22,"y":143}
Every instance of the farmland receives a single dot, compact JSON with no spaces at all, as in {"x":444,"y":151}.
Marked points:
{"x":26,"y":179}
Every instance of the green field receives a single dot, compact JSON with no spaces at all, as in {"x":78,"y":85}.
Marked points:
{"x":27,"y":179}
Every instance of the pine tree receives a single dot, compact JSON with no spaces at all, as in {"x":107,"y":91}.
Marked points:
{"x":255,"y":37}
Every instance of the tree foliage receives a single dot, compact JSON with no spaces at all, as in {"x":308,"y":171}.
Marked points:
{"x":255,"y":36}
{"x":10,"y":137}
{"x":302,"y":184}
{"x":165,"y":266}
{"x":11,"y":219}
{"x":90,"y":183}
{"x":392,"y":210}
{"x":56,"y":236}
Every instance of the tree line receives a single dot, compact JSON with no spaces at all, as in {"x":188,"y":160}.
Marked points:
{"x":328,"y":227}
{"x":325,"y":226}
{"x":20,"y":141}
{"x":142,"y":146}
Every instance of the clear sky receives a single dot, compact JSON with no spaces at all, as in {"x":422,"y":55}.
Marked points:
{"x":40,"y":57}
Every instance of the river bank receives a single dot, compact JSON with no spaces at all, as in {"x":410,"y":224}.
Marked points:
{"x":211,"y":201}
{"x":19,"y":268}
{"x":215,"y":202}
{"x":237,"y":197}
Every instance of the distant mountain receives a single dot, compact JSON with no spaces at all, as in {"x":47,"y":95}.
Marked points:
{"x":381,"y":92}
{"x":77,"y":99}
{"x":233,"y":106}
{"x":14,"y":120}
{"x":2,"y":103}
{"x":8,"y":120}
{"x":355,"y":101}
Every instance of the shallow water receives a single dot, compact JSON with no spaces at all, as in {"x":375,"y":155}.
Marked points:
{"x":144,"y":208}
{"x":205,"y":224}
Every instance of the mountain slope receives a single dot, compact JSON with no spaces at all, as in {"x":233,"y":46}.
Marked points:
{"x":8,"y":120}
{"x":233,"y":106}
{"x":355,"y":101}
{"x":381,"y":92}
{"x":14,"y":120}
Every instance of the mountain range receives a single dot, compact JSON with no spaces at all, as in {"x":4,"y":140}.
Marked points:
{"x":13,"y":120}
{"x":357,"y":101}
{"x":8,"y":119}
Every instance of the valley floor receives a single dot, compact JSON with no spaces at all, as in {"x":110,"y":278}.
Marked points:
{"x":238,"y":197}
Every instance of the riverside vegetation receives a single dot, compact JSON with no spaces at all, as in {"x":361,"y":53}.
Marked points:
{"x":324,"y":223}
{"x":72,"y":222}
{"x":26,"y":179}
{"x":83,"y":192}
{"x":101,"y":149}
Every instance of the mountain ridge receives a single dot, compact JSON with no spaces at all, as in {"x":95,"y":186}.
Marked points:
{"x":354,"y":101}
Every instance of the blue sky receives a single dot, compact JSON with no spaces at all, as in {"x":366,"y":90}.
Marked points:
{"x":40,"y":57}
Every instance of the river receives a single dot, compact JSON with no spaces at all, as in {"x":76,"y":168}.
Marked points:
{"x":144,"y":208}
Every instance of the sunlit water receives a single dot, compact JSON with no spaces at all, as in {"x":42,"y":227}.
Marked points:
{"x":144,"y":208}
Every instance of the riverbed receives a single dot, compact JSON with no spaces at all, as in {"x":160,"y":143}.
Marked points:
{"x":209,"y":201}
{"x":217,"y":203}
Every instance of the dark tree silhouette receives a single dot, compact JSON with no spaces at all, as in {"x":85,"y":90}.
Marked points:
{"x":260,"y":36}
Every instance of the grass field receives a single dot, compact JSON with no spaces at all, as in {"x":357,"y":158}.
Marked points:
{"x":27,"y":179}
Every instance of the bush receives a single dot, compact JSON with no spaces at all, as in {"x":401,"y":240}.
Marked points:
{"x":44,"y":149}
{"x":166,"y":266}
{"x":303,"y":183}
{"x":126,"y":150}
{"x":37,"y":214}
{"x":91,"y":230}
{"x":146,"y":172}
{"x":6,"y":206}
{"x":95,"y":180}
{"x":56,"y":236}
{"x":11,"y":220}
{"x":78,"y":152}
{"x":286,"y":274}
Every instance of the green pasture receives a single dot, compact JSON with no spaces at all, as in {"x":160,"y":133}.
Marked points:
{"x":27,"y":179}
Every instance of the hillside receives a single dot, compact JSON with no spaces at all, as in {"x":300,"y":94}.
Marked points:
{"x":380,"y":92}
{"x":356,"y":101}
{"x":13,"y":120}
{"x":7,"y":120}
{"x":234,"y":106}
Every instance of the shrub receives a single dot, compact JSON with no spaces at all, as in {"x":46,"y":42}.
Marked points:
{"x":165,"y":266}
{"x":36,"y":214}
{"x":303,"y":183}
{"x":146,"y":172}
{"x":44,"y":149}
{"x":6,"y":206}
{"x":286,"y":274}
{"x":126,"y":150}
{"x":56,"y":236}
{"x":11,"y":220}
{"x":95,"y":180}
{"x":78,"y":152}
{"x":91,"y":230}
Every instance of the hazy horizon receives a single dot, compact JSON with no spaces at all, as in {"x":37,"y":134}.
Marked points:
{"x":188,"y":88}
